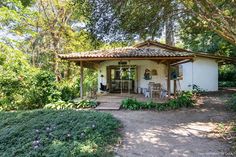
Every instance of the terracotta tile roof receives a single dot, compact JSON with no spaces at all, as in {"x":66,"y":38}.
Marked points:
{"x":160,"y":45}
{"x":126,"y":53}
{"x":147,"y":49}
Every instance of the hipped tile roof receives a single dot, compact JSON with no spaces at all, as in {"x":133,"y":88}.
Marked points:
{"x":147,"y":49}
{"x":126,"y":53}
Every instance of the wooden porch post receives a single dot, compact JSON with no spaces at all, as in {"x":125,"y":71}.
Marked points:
{"x":81,"y":79}
{"x":175,"y":86}
{"x":168,"y":80}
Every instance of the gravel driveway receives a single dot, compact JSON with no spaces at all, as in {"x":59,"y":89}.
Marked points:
{"x":185,"y":132}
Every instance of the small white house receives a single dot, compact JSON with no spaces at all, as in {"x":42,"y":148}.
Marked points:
{"x":131,"y":69}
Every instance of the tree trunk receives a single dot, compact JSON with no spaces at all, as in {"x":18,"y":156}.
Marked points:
{"x":170,"y":32}
{"x":67,"y":72}
{"x":55,"y":64}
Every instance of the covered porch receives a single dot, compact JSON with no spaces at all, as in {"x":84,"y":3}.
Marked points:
{"x":136,"y":61}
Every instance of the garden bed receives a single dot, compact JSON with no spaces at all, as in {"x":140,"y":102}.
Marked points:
{"x":185,"y":99}
{"x":57,"y":133}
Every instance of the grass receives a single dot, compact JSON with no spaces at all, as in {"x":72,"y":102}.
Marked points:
{"x":57,"y":133}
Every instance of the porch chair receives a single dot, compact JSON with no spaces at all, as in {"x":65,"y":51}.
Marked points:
{"x":147,"y":91}
{"x":103,"y":88}
{"x":155,"y":88}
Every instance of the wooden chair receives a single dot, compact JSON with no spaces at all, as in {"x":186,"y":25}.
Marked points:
{"x":155,"y":88}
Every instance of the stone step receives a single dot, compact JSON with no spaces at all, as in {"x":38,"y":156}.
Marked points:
{"x":108,"y":106}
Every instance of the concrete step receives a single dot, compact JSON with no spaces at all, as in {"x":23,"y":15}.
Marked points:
{"x":108,"y":106}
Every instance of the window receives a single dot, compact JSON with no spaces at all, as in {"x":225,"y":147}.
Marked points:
{"x":154,"y":72}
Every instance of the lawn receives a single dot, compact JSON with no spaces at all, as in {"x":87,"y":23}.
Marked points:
{"x":57,"y":133}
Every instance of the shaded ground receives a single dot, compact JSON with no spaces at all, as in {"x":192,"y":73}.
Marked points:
{"x":185,"y":132}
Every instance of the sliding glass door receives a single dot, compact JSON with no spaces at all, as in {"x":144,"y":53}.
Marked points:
{"x":121,"y":79}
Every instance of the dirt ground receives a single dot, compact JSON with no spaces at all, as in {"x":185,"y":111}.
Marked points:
{"x":185,"y":132}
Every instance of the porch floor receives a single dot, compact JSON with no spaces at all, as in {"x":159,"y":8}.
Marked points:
{"x":112,"y":101}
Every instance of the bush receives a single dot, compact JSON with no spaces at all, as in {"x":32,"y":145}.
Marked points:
{"x":184,"y":100}
{"x":227,"y":83}
{"x":227,"y":73}
{"x":131,"y":104}
{"x":42,"y":91}
{"x":14,"y":71}
{"x":68,"y":90}
{"x":75,"y":104}
{"x":57,"y":133}
{"x":84,"y":103}
{"x":25,"y":87}
{"x":34,"y":91}
{"x":90,"y":83}
{"x":232,"y":103}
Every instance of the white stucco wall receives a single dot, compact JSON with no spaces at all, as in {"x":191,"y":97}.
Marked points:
{"x":203,"y":72}
{"x":142,"y":65}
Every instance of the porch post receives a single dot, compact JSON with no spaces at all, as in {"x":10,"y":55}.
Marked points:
{"x":81,"y":79}
{"x":168,"y":79}
{"x":175,"y":88}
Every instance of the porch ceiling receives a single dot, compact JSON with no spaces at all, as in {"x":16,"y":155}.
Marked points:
{"x":94,"y":64}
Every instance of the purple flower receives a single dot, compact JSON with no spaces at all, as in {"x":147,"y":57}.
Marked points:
{"x":36,"y":142}
{"x":82,"y":134}
{"x":93,"y":126}
{"x":36,"y":146}
{"x":37,"y":131}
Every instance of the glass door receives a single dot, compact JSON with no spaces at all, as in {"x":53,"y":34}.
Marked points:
{"x":122,"y":79}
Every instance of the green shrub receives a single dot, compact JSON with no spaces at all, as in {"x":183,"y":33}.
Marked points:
{"x":68,"y":90}
{"x":84,"y":103}
{"x":90,"y":83}
{"x":57,"y":133}
{"x":74,"y":104}
{"x":42,"y":91}
{"x":59,"y":105}
{"x":184,"y":100}
{"x":131,"y":104}
{"x":232,"y":102}
{"x":227,"y":73}
{"x":227,"y":83}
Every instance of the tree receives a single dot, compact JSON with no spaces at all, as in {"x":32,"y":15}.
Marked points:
{"x":147,"y":18}
{"x":217,"y":16}
{"x":202,"y":40}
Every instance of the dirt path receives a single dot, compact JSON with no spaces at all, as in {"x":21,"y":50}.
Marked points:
{"x":186,"y":132}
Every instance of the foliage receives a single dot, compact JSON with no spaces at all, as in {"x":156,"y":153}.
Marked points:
{"x":14,"y":74}
{"x":227,"y":73}
{"x":59,"y":105}
{"x":57,"y":133}
{"x":42,"y":90}
{"x":25,"y":87}
{"x":232,"y":102}
{"x":90,"y":82}
{"x":227,"y":84}
{"x":131,"y":104}
{"x":73,"y":104}
{"x":67,"y":89}
{"x":85,"y":103}
{"x":217,"y":16}
{"x":227,"y":76}
{"x":123,"y":17}
{"x":203,"y":40}
{"x":197,"y":89}
{"x":184,"y":100}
